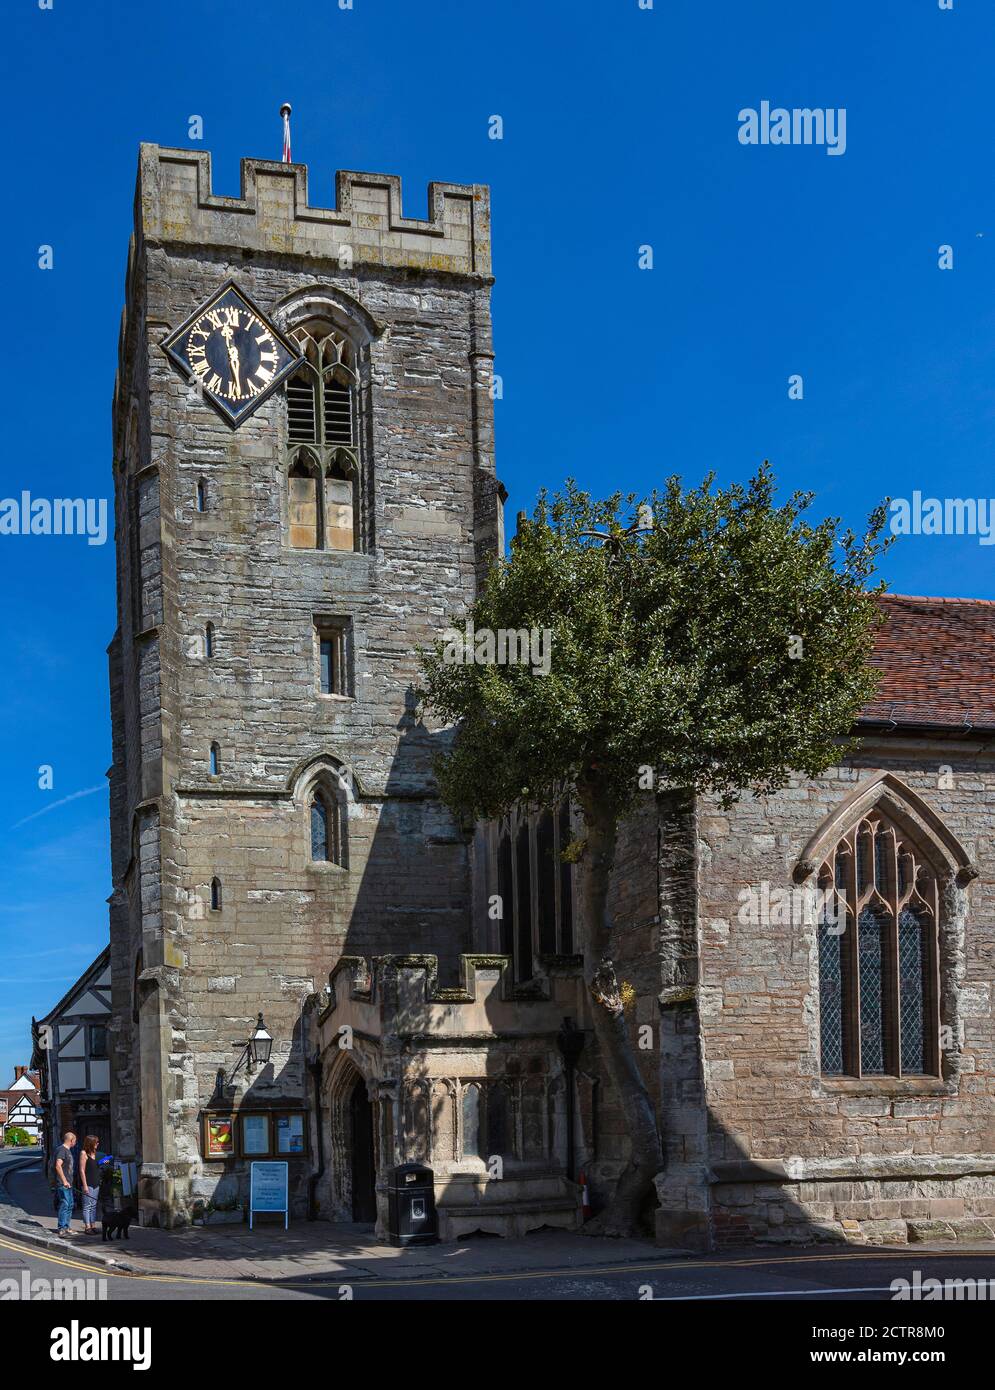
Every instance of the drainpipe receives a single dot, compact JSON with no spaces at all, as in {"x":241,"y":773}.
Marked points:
{"x":312,"y":1200}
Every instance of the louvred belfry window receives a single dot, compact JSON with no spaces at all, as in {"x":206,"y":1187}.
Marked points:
{"x":323,"y":434}
{"x":878,"y":956}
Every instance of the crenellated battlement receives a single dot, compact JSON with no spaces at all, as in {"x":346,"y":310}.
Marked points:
{"x":175,"y":205}
{"x":401,"y":996}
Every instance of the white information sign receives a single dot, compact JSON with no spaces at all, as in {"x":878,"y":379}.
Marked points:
{"x":268,"y":1183}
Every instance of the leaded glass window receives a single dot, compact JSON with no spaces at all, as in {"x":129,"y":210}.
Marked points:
{"x":328,"y":828}
{"x":831,"y":1000}
{"x":319,"y":829}
{"x":870,"y":963}
{"x":878,"y":961}
{"x":913,"y":953}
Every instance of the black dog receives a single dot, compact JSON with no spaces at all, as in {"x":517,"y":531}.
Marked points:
{"x":116,"y":1223}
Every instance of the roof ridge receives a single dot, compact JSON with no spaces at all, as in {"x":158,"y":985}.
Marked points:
{"x":931,"y":598}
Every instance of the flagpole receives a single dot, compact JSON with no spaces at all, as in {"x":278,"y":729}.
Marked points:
{"x":285,"y":113}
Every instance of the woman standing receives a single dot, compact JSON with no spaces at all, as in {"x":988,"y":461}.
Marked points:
{"x":90,"y":1182}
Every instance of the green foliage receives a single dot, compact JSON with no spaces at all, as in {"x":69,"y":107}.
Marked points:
{"x":15,"y":1137}
{"x":674,"y":645}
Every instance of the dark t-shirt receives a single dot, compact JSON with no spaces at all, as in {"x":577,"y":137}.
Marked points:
{"x":67,"y":1164}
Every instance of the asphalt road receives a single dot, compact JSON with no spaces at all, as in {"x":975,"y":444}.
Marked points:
{"x":743,"y":1276}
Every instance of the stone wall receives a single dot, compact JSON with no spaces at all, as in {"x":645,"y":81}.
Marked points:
{"x":767,"y":1102}
{"x":420,"y":1051}
{"x":414,"y":298}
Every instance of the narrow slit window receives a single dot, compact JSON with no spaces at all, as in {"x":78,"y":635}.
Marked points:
{"x":319,"y":831}
{"x":215,"y":760}
{"x":328,"y":666}
{"x":202,"y":496}
{"x":215,"y":895}
{"x":209,"y":640}
{"x":334,"y":658}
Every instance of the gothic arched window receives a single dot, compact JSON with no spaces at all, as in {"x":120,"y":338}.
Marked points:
{"x":534,"y":885}
{"x":328,"y":829}
{"x":878,"y":955}
{"x":323,"y":437}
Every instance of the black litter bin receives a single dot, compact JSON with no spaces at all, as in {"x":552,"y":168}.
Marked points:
{"x":411,"y":1215}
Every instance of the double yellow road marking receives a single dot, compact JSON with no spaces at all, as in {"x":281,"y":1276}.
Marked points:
{"x":690,"y":1266}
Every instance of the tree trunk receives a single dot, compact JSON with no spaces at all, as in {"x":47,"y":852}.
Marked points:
{"x":621,"y":1216}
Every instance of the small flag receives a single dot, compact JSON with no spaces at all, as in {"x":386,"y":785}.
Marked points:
{"x":285,"y":113}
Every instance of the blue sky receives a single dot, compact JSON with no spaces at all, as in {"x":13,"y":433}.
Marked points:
{"x":620,"y":130}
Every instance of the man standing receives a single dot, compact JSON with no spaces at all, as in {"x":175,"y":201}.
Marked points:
{"x":64,"y":1166}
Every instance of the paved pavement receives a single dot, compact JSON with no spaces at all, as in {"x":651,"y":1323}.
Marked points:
{"x":309,"y":1249}
{"x":317,"y":1260}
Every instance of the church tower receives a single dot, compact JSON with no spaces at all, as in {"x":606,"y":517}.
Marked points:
{"x":305,"y":492}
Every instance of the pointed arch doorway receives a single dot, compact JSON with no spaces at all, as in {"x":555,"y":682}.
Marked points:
{"x":362,"y":1158}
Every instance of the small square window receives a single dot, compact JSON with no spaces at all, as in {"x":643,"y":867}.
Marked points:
{"x":334,"y":640}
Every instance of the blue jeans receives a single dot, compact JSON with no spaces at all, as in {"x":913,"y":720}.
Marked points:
{"x":90,"y":1195}
{"x":65,"y":1208}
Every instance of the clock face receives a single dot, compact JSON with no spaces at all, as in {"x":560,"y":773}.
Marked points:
{"x":232,"y":353}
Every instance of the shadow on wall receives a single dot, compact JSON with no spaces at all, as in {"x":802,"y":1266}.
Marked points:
{"x":413,"y":896}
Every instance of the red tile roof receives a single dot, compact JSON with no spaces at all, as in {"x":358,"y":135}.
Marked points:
{"x":937,"y":658}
